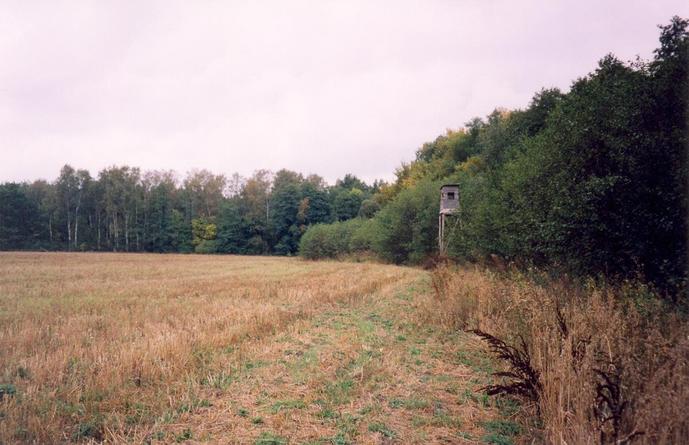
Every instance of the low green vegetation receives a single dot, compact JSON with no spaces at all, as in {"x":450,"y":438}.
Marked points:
{"x":500,"y":432}
{"x":379,"y":427}
{"x":7,"y":390}
{"x":282,"y":405}
{"x":270,"y":439}
{"x":340,"y":238}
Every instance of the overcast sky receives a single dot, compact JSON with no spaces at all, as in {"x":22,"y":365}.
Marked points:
{"x":326,"y":87}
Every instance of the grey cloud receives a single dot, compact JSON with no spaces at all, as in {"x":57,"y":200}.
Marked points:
{"x":315,"y":86}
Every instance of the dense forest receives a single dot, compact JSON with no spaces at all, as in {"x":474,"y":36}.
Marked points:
{"x":123,"y":209}
{"x":593,"y":180}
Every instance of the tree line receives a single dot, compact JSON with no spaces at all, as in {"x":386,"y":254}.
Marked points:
{"x":125,"y":209}
{"x":591,"y":181}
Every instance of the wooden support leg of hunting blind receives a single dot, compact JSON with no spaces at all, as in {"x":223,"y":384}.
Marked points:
{"x":444,"y":231}
{"x":441,"y":234}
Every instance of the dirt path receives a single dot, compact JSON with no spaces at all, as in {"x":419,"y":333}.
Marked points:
{"x":364,"y":372}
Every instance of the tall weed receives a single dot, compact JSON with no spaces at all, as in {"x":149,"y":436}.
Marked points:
{"x":605,"y":364}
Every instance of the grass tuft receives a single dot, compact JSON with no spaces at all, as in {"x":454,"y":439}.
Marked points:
{"x":267,"y":438}
{"x":380,"y":427}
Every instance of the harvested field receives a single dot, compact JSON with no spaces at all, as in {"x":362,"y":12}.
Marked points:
{"x":132,"y":348}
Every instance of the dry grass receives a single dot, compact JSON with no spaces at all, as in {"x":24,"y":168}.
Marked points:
{"x":97,"y":345}
{"x":613,"y":364}
{"x":363,"y":373}
{"x":128,"y":348}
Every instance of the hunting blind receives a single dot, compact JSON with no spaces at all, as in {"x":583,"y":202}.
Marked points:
{"x":449,"y":208}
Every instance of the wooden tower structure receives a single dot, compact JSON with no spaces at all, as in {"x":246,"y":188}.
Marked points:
{"x":449,"y":212}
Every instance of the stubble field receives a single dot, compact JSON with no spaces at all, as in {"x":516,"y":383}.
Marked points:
{"x":132,"y":348}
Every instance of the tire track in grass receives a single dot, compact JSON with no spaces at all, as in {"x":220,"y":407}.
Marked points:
{"x":363,"y":371}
